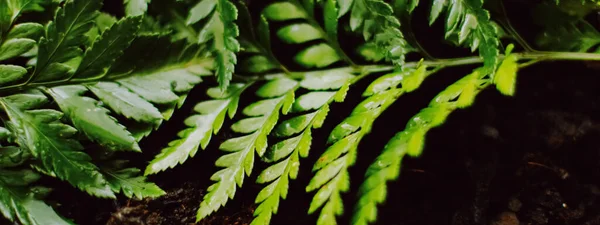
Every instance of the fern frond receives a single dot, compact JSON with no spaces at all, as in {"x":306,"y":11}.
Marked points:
{"x":17,"y":202}
{"x":161,"y":78}
{"x":16,"y":39}
{"x":132,"y":184}
{"x":411,"y":141}
{"x":107,"y":48}
{"x":10,"y":73}
{"x":332,"y":178}
{"x":223,"y":31}
{"x":318,"y":55}
{"x":405,"y":5}
{"x":369,"y":52}
{"x":102,"y":22}
{"x":468,"y":23}
{"x":312,"y":108}
{"x":12,"y":156}
{"x":171,"y":73}
{"x":62,"y":39}
{"x":505,"y":78}
{"x":136,"y":7}
{"x":51,"y":141}
{"x":14,"y":47}
{"x":139,"y":60}
{"x":263,"y":116}
{"x":129,"y":181}
{"x":10,"y":10}
{"x":256,"y":43}
{"x":92,"y":119}
{"x":576,"y":36}
{"x":126,"y":103}
{"x":378,"y":23}
{"x":577,"y":8}
{"x":201,"y":126}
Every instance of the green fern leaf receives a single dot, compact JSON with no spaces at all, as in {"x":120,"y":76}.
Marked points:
{"x":330,"y":12}
{"x":20,"y":40}
{"x":162,"y":73}
{"x":102,"y":22}
{"x":62,"y":39}
{"x":314,"y":107}
{"x":506,"y":76}
{"x":257,"y":43}
{"x":284,"y":10}
{"x":299,"y":33}
{"x":332,"y":177}
{"x":126,"y":103}
{"x":468,"y":23}
{"x":406,"y":5}
{"x":379,"y":24}
{"x":11,"y":156}
{"x":169,"y":102}
{"x":26,"y":30}
{"x":223,"y":31}
{"x":50,"y":140}
{"x":17,"y":202}
{"x":20,"y":178}
{"x":411,"y":141}
{"x":131,"y":184}
{"x":318,"y":55}
{"x":10,"y":10}
{"x":240,"y":159}
{"x":163,"y":76}
{"x":577,"y":8}
{"x":10,"y":73}
{"x":201,"y":126}
{"x":15,"y":40}
{"x":136,"y":7}
{"x":166,"y":56}
{"x":370,"y":52}
{"x":15,"y":47}
{"x":201,"y":11}
{"x":107,"y":48}
{"x":93,"y":120}
{"x":157,"y":87}
{"x":577,"y":36}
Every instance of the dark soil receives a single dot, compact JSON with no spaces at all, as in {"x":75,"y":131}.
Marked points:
{"x":177,"y":207}
{"x":529,"y":160}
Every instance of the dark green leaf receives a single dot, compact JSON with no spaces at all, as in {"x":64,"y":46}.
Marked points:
{"x":201,"y":11}
{"x":107,"y":48}
{"x":26,"y":30}
{"x":468,"y":23}
{"x":10,"y":73}
{"x":136,"y":7}
{"x":126,"y":103}
{"x":18,"y":204}
{"x":63,"y":37}
{"x":132,"y":184}
{"x":93,"y":120}
{"x":15,"y":47}
{"x":51,"y":141}
{"x":201,"y":126}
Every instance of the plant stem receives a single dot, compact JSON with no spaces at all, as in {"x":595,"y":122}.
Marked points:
{"x":534,"y":57}
{"x":537,"y":56}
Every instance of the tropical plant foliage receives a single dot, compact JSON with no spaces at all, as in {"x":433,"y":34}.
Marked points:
{"x":81,"y":85}
{"x":77,"y":90}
